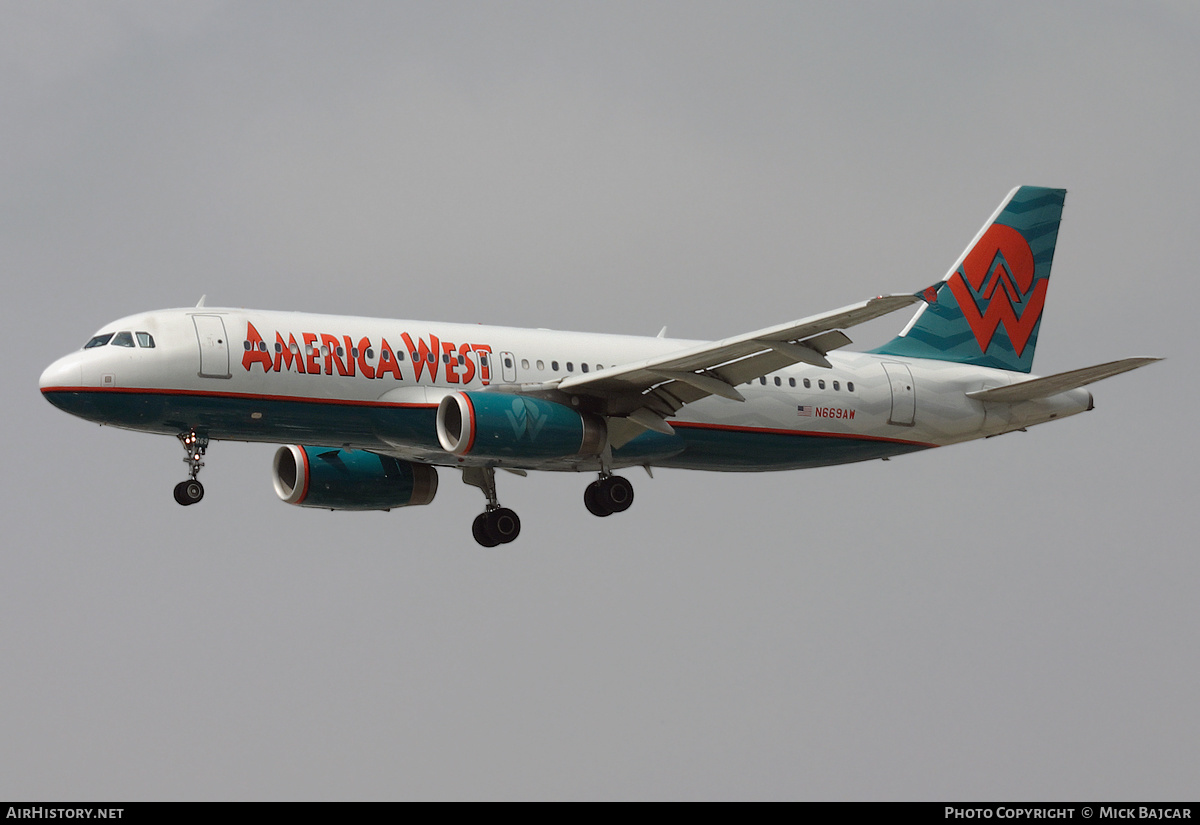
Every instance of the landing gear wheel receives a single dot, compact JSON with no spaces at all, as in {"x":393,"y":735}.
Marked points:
{"x":593,"y":500}
{"x":189,"y":492}
{"x":495,"y":527}
{"x":496,"y":524}
{"x":195,"y":445}
{"x":616,"y":493}
{"x":479,"y":529}
{"x":504,"y":525}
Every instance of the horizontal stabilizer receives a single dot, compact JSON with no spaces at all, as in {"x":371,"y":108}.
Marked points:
{"x":1063,"y":381}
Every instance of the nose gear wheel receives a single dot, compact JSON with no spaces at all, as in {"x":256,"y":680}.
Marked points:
{"x":195,"y":445}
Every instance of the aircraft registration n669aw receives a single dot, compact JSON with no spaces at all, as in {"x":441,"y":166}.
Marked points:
{"x":375,"y":406}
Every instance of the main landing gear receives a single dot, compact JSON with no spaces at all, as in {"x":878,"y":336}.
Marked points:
{"x":499,"y":525}
{"x":496,"y":524}
{"x":191,"y":491}
{"x":607,"y":495}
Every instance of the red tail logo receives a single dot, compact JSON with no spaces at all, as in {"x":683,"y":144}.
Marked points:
{"x":999,"y":269}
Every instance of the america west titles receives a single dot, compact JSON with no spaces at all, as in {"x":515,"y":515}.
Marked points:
{"x":324,"y":354}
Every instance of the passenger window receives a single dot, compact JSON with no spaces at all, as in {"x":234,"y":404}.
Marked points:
{"x":101,"y":340}
{"x":778,"y":381}
{"x":524,"y":363}
{"x":371,"y":354}
{"x":145,"y":340}
{"x":399,"y":355}
{"x":554,"y":366}
{"x":541,"y":365}
{"x":849,"y":386}
{"x":570,"y":367}
{"x":385,"y":356}
{"x":445,"y":358}
{"x":123,"y":339}
{"x":278,"y":347}
{"x":262,"y":346}
{"x":791,"y":382}
{"x":821,"y":383}
{"x":807,"y":384}
{"x":763,"y":380}
{"x":583,"y":367}
{"x":836,"y":385}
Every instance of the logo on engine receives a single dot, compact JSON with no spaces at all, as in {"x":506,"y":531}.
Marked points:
{"x":999,"y":272}
{"x":525,"y":419}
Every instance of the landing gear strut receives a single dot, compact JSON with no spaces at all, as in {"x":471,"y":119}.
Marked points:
{"x":496,"y":524}
{"x":195,"y":445}
{"x":607,"y":495}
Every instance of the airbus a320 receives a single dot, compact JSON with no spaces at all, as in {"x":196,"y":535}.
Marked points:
{"x":374,"y":407}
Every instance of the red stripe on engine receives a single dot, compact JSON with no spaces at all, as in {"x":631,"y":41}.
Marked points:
{"x":471,"y":408}
{"x":307,"y":475}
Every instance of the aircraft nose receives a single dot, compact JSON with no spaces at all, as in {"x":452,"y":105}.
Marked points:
{"x":65,"y":372}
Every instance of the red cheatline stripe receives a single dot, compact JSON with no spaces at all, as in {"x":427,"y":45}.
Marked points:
{"x":351,"y":403}
{"x":768,"y":431}
{"x":250,"y":395}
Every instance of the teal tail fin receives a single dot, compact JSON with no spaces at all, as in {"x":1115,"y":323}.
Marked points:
{"x":988,"y":309}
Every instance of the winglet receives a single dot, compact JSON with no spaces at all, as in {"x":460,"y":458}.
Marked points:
{"x":930,"y":293}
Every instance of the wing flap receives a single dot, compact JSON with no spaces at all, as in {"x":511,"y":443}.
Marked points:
{"x":731,"y":361}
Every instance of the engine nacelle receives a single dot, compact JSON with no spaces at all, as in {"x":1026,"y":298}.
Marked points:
{"x":515,"y":426}
{"x":335,"y":479}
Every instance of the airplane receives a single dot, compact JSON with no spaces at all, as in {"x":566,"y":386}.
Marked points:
{"x":371,"y":408}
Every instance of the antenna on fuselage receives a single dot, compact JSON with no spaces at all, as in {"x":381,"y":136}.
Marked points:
{"x":662,"y":333}
{"x":200,"y":303}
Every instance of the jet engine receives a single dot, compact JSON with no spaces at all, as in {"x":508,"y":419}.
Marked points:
{"x":337,"y":479}
{"x":501,"y":425}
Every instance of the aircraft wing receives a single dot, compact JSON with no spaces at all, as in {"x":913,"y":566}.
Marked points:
{"x":647,"y":392}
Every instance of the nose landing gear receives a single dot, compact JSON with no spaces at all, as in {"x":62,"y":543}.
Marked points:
{"x":195,"y":445}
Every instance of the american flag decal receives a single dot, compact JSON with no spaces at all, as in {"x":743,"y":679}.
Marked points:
{"x":804,"y":410}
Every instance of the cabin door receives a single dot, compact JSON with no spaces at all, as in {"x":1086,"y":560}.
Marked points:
{"x":904,"y":398}
{"x":214,"y":346}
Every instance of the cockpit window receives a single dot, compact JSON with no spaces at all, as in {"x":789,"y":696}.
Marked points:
{"x":98,"y":341}
{"x":146,"y":340}
{"x":123,"y":339}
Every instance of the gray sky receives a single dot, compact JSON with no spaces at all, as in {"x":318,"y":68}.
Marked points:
{"x":1015,"y":618}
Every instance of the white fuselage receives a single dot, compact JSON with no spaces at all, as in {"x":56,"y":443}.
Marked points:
{"x":353,"y":382}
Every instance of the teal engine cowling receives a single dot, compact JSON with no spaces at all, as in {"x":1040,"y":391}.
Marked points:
{"x":502,"y":425}
{"x":336,"y":479}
